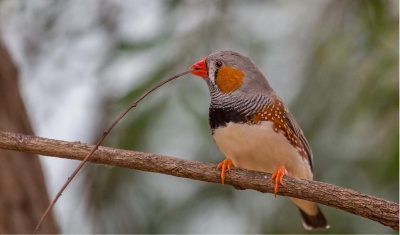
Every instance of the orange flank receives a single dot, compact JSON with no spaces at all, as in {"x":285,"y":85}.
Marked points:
{"x":276,"y":113}
{"x":225,"y":165}
{"x":278,"y":177}
{"x":229,"y":79}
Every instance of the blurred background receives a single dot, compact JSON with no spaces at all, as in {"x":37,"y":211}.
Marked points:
{"x":80,"y":63}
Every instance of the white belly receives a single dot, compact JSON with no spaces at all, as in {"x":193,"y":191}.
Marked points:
{"x":259,"y":147}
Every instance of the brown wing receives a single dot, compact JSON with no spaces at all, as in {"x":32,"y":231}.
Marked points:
{"x":284,"y":121}
{"x":299,"y":133}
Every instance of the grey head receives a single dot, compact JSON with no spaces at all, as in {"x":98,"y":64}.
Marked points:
{"x":235,"y":74}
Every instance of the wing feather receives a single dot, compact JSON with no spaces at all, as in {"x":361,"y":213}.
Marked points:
{"x":299,"y":133}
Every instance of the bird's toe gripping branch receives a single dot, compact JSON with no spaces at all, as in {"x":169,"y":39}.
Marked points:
{"x":278,"y":177}
{"x":226,"y":164}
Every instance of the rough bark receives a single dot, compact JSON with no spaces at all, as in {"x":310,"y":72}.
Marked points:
{"x":380,"y":210}
{"x":23,"y":194}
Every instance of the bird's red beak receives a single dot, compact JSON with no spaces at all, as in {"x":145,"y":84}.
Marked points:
{"x":200,"y":68}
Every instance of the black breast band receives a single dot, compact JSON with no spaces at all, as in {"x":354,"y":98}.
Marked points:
{"x":220,"y":117}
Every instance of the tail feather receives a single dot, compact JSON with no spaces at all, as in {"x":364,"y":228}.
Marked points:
{"x":311,"y":222}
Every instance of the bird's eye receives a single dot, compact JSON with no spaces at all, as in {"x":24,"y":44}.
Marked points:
{"x":219,"y":64}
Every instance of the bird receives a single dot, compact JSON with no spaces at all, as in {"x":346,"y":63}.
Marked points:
{"x":253,"y":127}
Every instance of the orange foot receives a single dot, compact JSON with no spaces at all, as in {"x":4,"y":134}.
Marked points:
{"x":278,"y":176}
{"x":227,"y":163}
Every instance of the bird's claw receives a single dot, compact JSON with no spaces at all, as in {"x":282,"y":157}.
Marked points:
{"x":226,"y":164}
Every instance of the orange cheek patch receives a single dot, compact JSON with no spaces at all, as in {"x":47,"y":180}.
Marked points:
{"x":229,"y":79}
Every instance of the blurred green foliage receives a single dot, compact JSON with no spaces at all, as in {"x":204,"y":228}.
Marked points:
{"x":347,"y":106}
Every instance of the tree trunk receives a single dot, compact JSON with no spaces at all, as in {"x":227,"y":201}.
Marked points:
{"x":23,"y":194}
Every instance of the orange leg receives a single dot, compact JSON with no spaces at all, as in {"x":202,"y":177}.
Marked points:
{"x":278,"y":177}
{"x":224,"y":165}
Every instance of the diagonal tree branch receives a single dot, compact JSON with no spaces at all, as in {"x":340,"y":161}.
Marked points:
{"x":380,"y":210}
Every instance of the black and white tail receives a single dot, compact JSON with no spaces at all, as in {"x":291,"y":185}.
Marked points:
{"x":311,"y":222}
